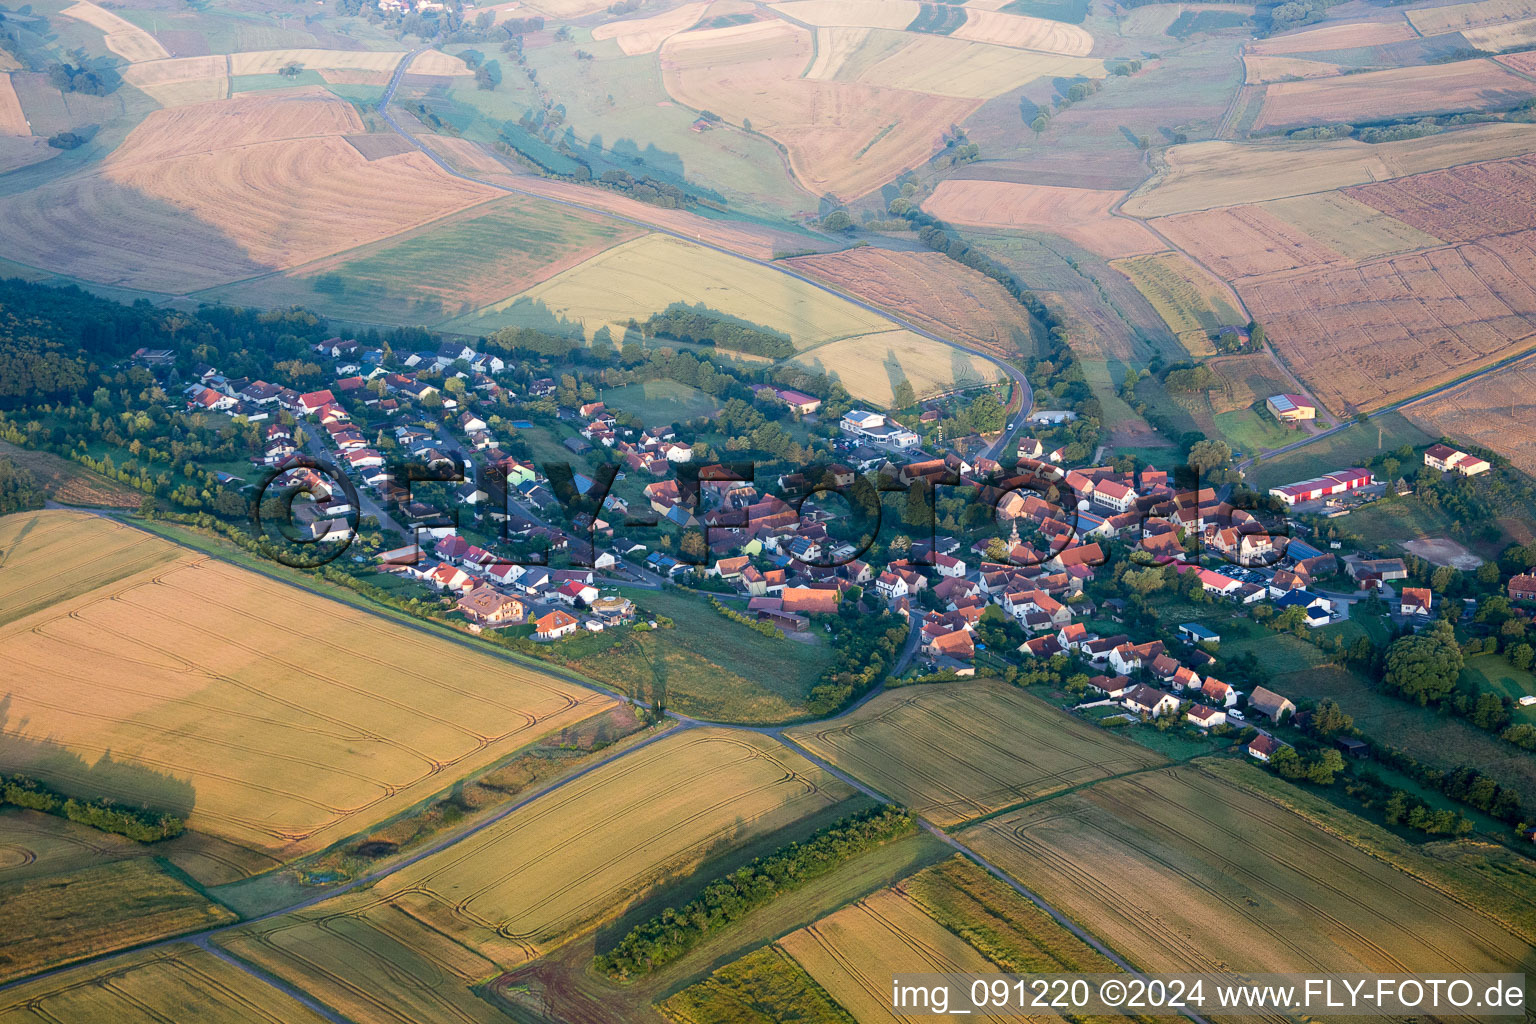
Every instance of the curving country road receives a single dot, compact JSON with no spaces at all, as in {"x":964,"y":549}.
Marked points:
{"x":1014,"y":374}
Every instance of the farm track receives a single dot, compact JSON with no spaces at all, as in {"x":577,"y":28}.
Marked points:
{"x":204,"y":939}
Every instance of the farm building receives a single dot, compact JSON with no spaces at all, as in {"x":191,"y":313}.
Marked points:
{"x":1324,"y":486}
{"x":1447,"y":459}
{"x":1290,"y":408}
{"x":1198,"y":634}
{"x":1270,"y":704}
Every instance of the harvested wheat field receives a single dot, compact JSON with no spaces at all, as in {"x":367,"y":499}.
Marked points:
{"x":1396,"y":92}
{"x":870,"y":366}
{"x":1363,"y":336}
{"x":202,"y":194}
{"x":1434,"y":20}
{"x":1348,"y":226}
{"x":1494,"y":38}
{"x":836,"y":45}
{"x":1080,"y":215}
{"x":18,"y":151}
{"x":1024,"y":32}
{"x":123,"y":37}
{"x":1192,"y":303}
{"x":1525,"y":63}
{"x":851,"y":13}
{"x":645,"y":35}
{"x":269,"y":62}
{"x":842,"y":137}
{"x":268,"y":716}
{"x":13,"y":121}
{"x":647,"y":274}
{"x":1463,"y":203}
{"x":952,"y":752}
{"x":1204,"y":175}
{"x":1334,"y":37}
{"x":854,"y":952}
{"x":1241,"y":241}
{"x":370,"y":961}
{"x":181,"y":80}
{"x":176,"y":983}
{"x":931,"y":290}
{"x":1208,"y":877}
{"x":947,"y":66}
{"x":1245,"y":380}
{"x":1261,"y":69}
{"x":584,"y":852}
{"x":1495,"y":410}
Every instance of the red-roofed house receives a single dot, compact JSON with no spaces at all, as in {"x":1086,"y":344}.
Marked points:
{"x":555,"y":625}
{"x":314,"y":400}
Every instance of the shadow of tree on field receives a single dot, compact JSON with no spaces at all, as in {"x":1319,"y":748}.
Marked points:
{"x":50,"y":762}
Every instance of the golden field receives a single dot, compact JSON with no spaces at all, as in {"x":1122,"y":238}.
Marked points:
{"x":1080,"y":215}
{"x":371,"y":962}
{"x":1458,"y":17}
{"x":853,"y":953}
{"x":1393,"y":93}
{"x":1348,"y":226}
{"x":645,"y":35}
{"x":48,"y":558}
{"x":178,"y":983}
{"x":932,"y":291}
{"x":179,"y":81}
{"x":952,"y":752}
{"x":285,"y":719}
{"x":846,"y":138}
{"x":645,"y":275}
{"x":123,"y":37}
{"x":13,"y":121}
{"x":1209,"y":877}
{"x":1204,"y":175}
{"x":1494,"y":411}
{"x":870,"y":366}
{"x":585,"y":851}
{"x":212,"y":192}
{"x":1334,"y":37}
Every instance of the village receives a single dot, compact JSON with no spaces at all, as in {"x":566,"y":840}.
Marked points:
{"x":509,"y":552}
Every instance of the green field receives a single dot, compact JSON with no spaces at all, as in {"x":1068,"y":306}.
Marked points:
{"x":1492,"y":672}
{"x":1435,"y":738}
{"x":1355,"y":445}
{"x":661,"y":401}
{"x":709,"y":666}
{"x":1252,"y":432}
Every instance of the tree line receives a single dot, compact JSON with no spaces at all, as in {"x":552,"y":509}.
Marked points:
{"x":669,"y":935}
{"x":701,"y":325}
{"x":137,"y":824}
